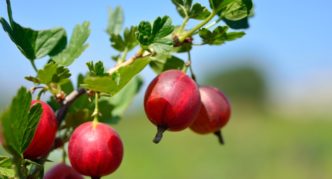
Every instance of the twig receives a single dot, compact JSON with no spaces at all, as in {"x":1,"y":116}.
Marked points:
{"x":139,"y":54}
{"x":66,"y":104}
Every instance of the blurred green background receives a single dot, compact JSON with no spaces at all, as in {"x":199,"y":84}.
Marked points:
{"x":278,"y":80}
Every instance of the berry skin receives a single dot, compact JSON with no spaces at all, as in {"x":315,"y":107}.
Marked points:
{"x":62,"y":171}
{"x":95,"y":149}
{"x":214,"y":113}
{"x":171,"y":102}
{"x":44,"y":136}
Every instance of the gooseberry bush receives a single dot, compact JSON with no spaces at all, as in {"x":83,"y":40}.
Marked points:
{"x":82,"y":114}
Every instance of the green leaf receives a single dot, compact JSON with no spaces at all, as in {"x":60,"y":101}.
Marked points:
{"x":117,"y":42}
{"x":216,"y":4}
{"x":67,"y":86}
{"x":32,"y":79}
{"x":7,"y":172}
{"x":128,"y":41}
{"x":150,"y":33}
{"x":76,"y":45}
{"x":144,"y":34}
{"x":20,"y":121}
{"x":219,"y":35}
{"x":130,"y":37}
{"x":164,"y":45}
{"x":162,"y":27}
{"x":6,"y":167}
{"x":235,"y":13}
{"x":32,"y":43}
{"x":5,"y":162}
{"x":234,"y":35}
{"x":236,"y":9}
{"x":121,"y":101}
{"x":115,"y":21}
{"x":109,"y":84}
{"x":199,"y":12}
{"x":160,"y":65}
{"x":240,"y":24}
{"x":96,"y":69}
{"x":183,"y":7}
{"x":52,"y":72}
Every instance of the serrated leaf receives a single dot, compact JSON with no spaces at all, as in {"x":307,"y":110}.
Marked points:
{"x":127,"y":42}
{"x":115,"y":21}
{"x":182,"y":6}
{"x":151,"y":33}
{"x":236,"y":9}
{"x":235,"y":13}
{"x":76,"y":45}
{"x":7,"y":172}
{"x":162,"y":27}
{"x":144,"y":34}
{"x":117,"y":42}
{"x":34,"y":44}
{"x":20,"y":121}
{"x":108,"y":84}
{"x":199,"y":12}
{"x":219,"y":35}
{"x":52,"y":72}
{"x":130,"y":37}
{"x":160,"y":65}
{"x":96,"y":69}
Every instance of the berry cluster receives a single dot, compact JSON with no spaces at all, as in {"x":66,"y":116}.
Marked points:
{"x":173,"y":101}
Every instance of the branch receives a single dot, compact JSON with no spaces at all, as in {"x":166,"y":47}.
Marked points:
{"x":66,"y":104}
{"x":139,"y":54}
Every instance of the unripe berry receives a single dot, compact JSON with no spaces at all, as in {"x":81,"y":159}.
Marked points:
{"x":171,"y":102}
{"x":44,"y":136}
{"x":95,"y":149}
{"x":62,"y":171}
{"x":214,"y":113}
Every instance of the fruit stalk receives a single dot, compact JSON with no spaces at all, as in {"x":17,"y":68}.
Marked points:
{"x":159,"y":135}
{"x":219,"y":136}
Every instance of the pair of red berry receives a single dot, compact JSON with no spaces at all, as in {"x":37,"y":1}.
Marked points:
{"x":173,"y":101}
{"x":95,"y":149}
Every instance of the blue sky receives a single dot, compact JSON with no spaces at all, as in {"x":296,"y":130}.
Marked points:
{"x":289,"y":39}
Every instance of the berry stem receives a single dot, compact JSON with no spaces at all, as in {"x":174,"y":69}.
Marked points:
{"x":220,"y":137}
{"x":95,"y":113}
{"x":159,"y":134}
{"x":193,"y":76}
